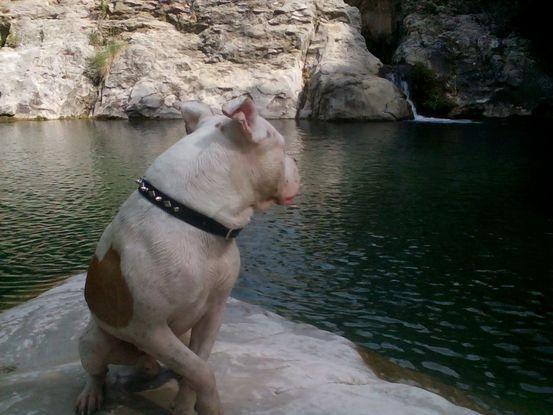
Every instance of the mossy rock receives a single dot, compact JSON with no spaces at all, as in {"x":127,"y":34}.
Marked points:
{"x":4,"y":32}
{"x":428,"y":92}
{"x":100,"y":63}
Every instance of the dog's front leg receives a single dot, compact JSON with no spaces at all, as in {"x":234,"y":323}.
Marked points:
{"x":202,"y":339}
{"x":163,"y":345}
{"x":205,"y":331}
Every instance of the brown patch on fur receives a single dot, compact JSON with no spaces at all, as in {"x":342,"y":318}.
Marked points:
{"x":106,"y":292}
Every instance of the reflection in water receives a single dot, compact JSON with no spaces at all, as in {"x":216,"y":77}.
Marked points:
{"x":422,"y":243}
{"x":427,"y":244}
{"x":62,"y":181}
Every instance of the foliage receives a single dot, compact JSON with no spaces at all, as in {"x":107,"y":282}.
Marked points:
{"x":428,"y":92}
{"x":194,"y":7}
{"x":4,"y":32}
{"x":12,"y":40}
{"x":8,"y":36}
{"x":104,"y":8}
{"x":101,"y":63}
{"x":95,"y":38}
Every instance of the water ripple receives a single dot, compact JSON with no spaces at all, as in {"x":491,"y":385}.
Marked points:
{"x":424,"y":243}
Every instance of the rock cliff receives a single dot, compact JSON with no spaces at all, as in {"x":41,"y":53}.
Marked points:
{"x":130,"y":58}
{"x":471,"y":58}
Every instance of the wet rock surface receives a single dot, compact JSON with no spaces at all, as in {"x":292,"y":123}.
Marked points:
{"x":264,"y":364}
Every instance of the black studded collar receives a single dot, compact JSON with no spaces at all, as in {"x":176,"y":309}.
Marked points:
{"x":182,"y":212}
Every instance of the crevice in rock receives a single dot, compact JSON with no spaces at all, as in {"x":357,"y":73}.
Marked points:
{"x":4,"y":32}
{"x":311,"y":61}
{"x":306,"y":71}
{"x":489,"y":58}
{"x":184,"y":16}
{"x":318,"y":385}
{"x":380,"y":26}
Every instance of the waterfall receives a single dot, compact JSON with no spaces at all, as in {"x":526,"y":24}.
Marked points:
{"x":405,"y":89}
{"x":421,"y":118}
{"x":404,"y":86}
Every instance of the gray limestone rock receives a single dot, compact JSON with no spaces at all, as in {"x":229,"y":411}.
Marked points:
{"x":264,"y":365}
{"x":209,"y":50}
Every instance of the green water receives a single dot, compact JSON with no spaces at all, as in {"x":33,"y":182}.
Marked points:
{"x":431,"y":245}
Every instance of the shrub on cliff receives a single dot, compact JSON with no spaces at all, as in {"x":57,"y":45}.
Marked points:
{"x":8,"y":36}
{"x":428,"y":92}
{"x":101,"y":62}
{"x":4,"y":32}
{"x":13,"y":40}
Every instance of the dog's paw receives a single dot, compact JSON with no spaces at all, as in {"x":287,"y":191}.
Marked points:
{"x":184,"y":401}
{"x":208,"y":404}
{"x":180,"y":411}
{"x":177,"y":409}
{"x":91,"y":398}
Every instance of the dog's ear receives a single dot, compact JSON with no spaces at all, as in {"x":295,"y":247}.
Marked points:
{"x":193,"y":112}
{"x":242,"y":109}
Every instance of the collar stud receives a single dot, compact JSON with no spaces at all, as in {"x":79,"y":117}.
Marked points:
{"x":184,"y":213}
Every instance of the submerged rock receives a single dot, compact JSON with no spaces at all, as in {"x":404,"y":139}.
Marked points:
{"x":264,"y":364}
{"x":129,"y":58}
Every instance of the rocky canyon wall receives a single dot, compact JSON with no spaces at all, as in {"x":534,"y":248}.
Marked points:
{"x":471,"y":58}
{"x":131,"y":58}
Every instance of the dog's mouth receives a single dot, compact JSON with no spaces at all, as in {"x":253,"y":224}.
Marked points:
{"x":285,"y":201}
{"x":288,"y":201}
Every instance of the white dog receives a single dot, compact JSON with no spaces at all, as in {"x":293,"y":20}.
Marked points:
{"x":157,"y":275}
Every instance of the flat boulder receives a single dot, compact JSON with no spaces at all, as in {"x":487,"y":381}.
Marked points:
{"x":264,"y":364}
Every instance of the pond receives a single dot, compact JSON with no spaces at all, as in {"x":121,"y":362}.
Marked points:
{"x":428,"y":244}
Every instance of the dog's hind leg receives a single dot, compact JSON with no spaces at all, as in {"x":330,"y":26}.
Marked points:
{"x":98,"y":349}
{"x":94,"y":347}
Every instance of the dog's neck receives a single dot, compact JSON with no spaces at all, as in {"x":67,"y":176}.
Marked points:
{"x":200,"y":171}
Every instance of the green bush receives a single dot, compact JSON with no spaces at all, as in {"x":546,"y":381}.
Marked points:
{"x":101,"y":63}
{"x":10,"y":39}
{"x":428,"y":92}
{"x":4,"y":32}
{"x":103,"y":8}
{"x":95,"y":38}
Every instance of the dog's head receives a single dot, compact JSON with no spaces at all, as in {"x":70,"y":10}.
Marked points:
{"x":271,"y":173}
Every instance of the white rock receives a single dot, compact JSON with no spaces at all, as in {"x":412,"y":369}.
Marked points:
{"x":44,"y":74}
{"x":264,"y":364}
{"x":343,"y":81}
{"x":212,"y":52}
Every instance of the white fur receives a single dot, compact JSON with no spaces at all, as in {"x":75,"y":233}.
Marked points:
{"x":178,"y":275}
